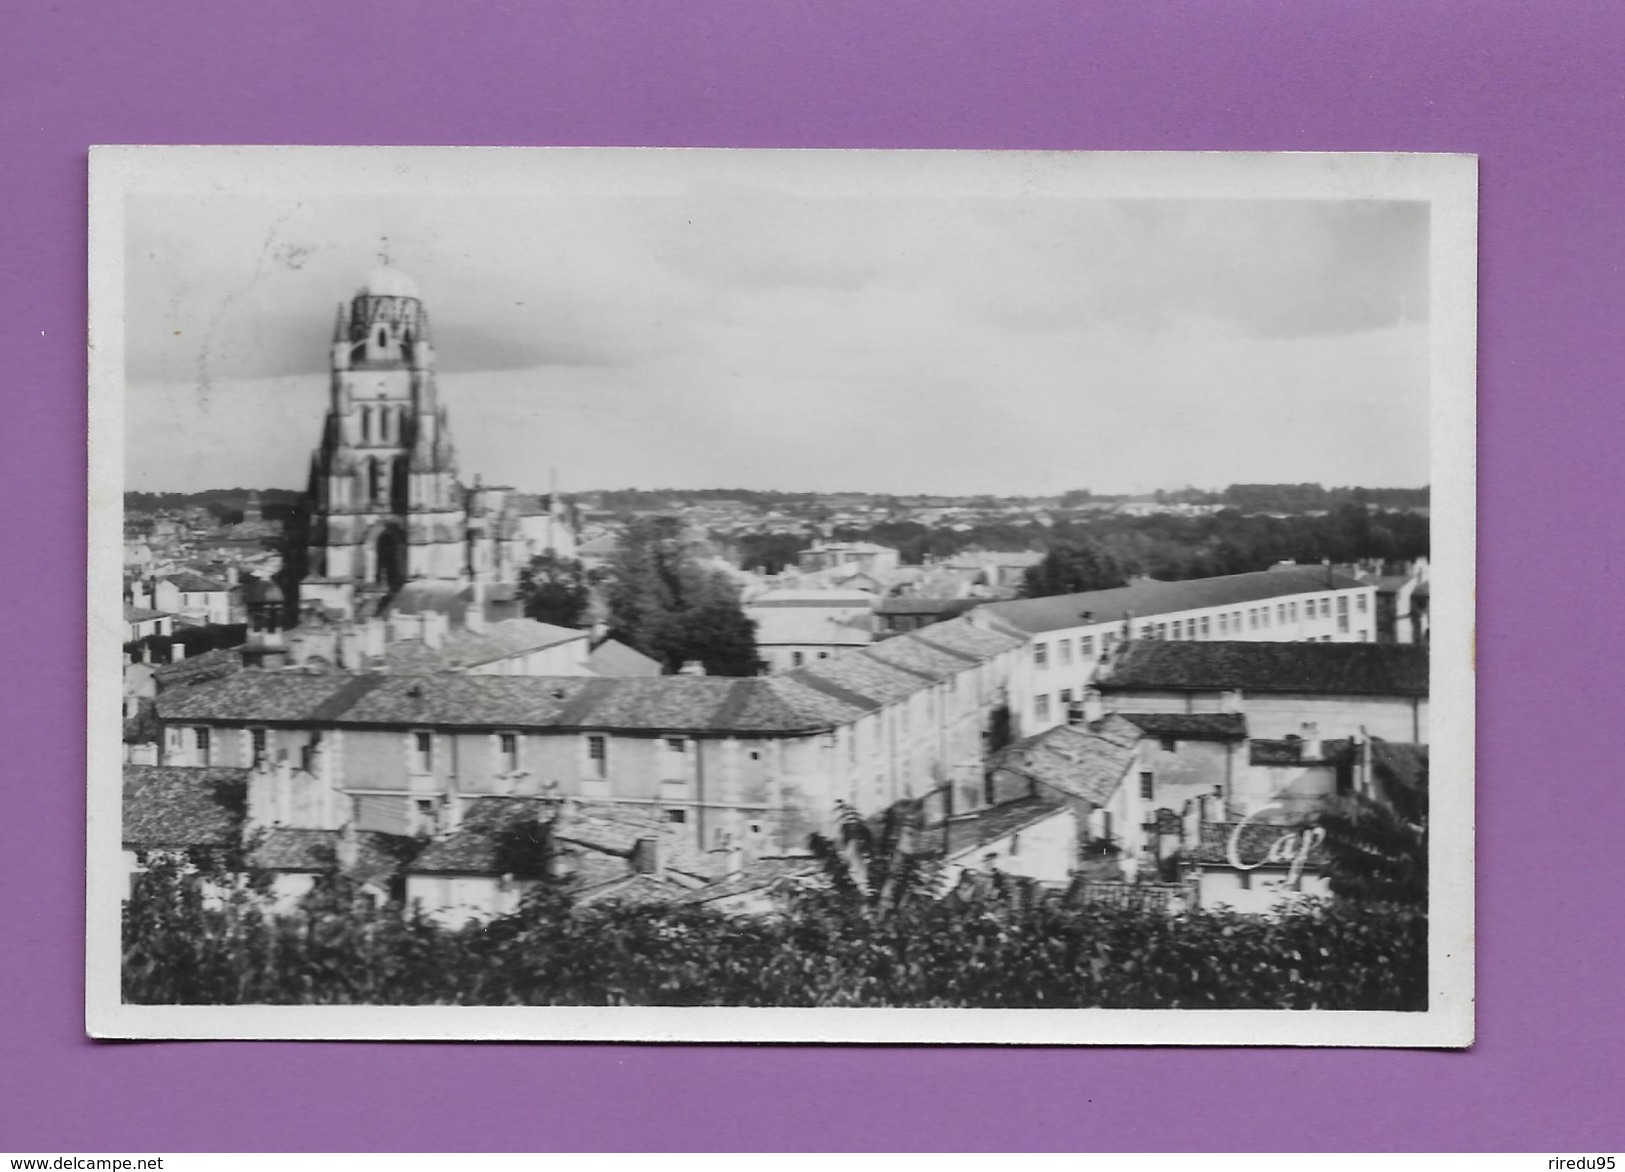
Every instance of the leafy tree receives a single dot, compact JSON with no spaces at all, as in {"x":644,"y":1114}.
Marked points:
{"x":1073,"y":566}
{"x":1378,"y":846}
{"x":666,"y":604}
{"x":870,"y":868}
{"x":554,"y":590}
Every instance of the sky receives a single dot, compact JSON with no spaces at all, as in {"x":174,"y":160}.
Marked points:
{"x":743,"y":330}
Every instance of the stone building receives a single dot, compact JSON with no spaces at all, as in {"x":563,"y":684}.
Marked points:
{"x":386,"y":505}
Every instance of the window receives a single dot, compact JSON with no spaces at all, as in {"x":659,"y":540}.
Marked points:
{"x":201,"y":739}
{"x":1066,"y":696}
{"x":676,"y":745}
{"x":1291,"y":612}
{"x":1280,"y":613}
{"x":422,"y":752}
{"x":677,"y":817}
{"x":256,"y":739}
{"x":1363,"y":637}
{"x":1360,"y":602}
{"x":508,"y":752}
{"x":598,"y":757}
{"x":1325,"y":608}
{"x":1064,"y":652}
{"x":1147,"y":785}
{"x":1263,"y":616}
{"x":1206,"y":627}
{"x":1040,"y":655}
{"x":797,"y":659}
{"x":1224,"y":625}
{"x":1342,"y":605}
{"x":1041,"y":709}
{"x":1169,"y":744}
{"x":1086,"y":647}
{"x":1174,"y":629}
{"x":823,"y":655}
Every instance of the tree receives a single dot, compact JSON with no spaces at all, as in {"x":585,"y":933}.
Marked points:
{"x":1073,"y":566}
{"x":1377,"y":846}
{"x":869,"y":867}
{"x":554,"y":590}
{"x":666,"y":604}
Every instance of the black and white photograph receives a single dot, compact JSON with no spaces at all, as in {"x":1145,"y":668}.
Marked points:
{"x":805,"y":596}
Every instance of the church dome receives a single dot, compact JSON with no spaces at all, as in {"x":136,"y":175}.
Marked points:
{"x":387,"y":282}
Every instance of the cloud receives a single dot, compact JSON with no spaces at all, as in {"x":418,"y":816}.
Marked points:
{"x":730,"y":334}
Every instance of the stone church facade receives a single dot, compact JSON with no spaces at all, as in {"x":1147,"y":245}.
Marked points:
{"x":386,"y":506}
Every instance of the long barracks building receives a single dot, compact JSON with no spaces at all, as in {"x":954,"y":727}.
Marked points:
{"x":760,"y":761}
{"x":1067,"y":635}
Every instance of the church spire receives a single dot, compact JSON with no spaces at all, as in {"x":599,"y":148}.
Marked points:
{"x":341,"y":324}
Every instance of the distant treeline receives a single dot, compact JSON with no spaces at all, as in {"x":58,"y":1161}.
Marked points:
{"x":1266,"y":498}
{"x":226,"y":504}
{"x":1169,"y":546}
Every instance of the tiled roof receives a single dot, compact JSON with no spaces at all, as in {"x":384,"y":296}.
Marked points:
{"x":463,"y":648}
{"x":194,"y":669}
{"x":761,"y":874}
{"x":977,"y":830}
{"x":174,"y":806}
{"x":188,"y":583}
{"x":962,"y":638}
{"x":1290,"y":751}
{"x":1402,"y":761}
{"x":1191,"y":726}
{"x":483,"y":844}
{"x":1253,"y":844}
{"x":828,"y":692}
{"x":918,"y":657}
{"x":1146,"y":597}
{"x":1088,"y":763}
{"x":379,"y":857}
{"x":140,"y":614}
{"x":632,"y":889}
{"x":864,"y":676}
{"x":613,"y":658}
{"x":1365,"y":669}
{"x":286,"y":848}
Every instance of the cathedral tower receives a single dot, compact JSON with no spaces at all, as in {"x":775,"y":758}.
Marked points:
{"x":384,"y":500}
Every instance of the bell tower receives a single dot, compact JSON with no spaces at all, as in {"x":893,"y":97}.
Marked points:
{"x":385,"y":505}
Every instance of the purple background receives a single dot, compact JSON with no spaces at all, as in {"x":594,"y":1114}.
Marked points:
{"x":1535,"y":89}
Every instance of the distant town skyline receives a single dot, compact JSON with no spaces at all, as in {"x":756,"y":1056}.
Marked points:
{"x":695,"y":321}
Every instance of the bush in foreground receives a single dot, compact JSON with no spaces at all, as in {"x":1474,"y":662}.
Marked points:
{"x":180,"y":947}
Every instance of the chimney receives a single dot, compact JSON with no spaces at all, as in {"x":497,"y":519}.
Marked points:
{"x":373,"y":638}
{"x":177,"y":651}
{"x":1313,"y":750}
{"x":349,"y":848}
{"x":434,"y":629}
{"x":649,"y":857}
